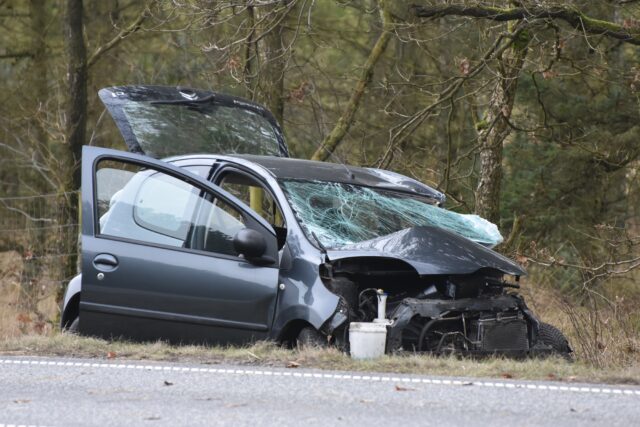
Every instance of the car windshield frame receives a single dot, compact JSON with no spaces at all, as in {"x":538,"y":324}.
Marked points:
{"x":333,"y":218}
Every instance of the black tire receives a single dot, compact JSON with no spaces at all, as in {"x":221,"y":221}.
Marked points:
{"x":551,"y":336}
{"x":74,"y":327}
{"x":310,"y":337}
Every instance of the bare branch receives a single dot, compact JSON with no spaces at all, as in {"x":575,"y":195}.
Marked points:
{"x":568,"y":14}
{"x":123,"y":34}
{"x":400,"y":132}
{"x":8,"y":55}
{"x":341,"y":128}
{"x":23,"y":213}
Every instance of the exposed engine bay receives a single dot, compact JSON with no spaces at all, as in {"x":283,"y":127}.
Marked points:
{"x":476,"y":313}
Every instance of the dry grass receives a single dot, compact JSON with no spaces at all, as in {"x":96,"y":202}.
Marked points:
{"x":16,"y":318}
{"x":606,"y":340}
{"x":10,"y":270}
{"x":269,"y":354}
{"x":603,"y":331}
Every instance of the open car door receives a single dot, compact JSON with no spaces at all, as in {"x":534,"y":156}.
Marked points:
{"x":168,"y":255}
{"x":164,"y":121}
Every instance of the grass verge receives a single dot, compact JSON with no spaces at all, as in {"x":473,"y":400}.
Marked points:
{"x":272,"y":355}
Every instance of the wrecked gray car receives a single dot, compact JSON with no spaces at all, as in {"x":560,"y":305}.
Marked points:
{"x":251,"y":244}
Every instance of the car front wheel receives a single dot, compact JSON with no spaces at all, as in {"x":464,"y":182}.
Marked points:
{"x":551,"y":336}
{"x":310,"y":337}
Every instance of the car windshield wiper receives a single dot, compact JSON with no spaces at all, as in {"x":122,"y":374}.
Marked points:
{"x":320,"y":245}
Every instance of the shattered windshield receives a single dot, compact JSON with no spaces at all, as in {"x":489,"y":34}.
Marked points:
{"x":167,"y":130}
{"x":340,"y":214}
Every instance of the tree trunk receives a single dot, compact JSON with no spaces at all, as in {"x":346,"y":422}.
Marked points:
{"x":76,"y":118}
{"x":273,"y":54}
{"x":76,"y":105}
{"x":495,"y":127}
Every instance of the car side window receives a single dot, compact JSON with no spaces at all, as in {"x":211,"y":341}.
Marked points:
{"x":153,"y":207}
{"x":220,"y":222}
{"x":254,"y":195}
{"x":258,"y":198}
{"x":164,"y":205}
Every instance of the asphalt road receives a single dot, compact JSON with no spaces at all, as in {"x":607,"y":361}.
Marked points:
{"x":81,"y":392}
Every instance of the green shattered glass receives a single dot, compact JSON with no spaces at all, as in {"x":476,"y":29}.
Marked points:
{"x":339,"y":214}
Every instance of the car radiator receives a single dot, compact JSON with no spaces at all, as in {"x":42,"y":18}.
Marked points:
{"x":503,"y":334}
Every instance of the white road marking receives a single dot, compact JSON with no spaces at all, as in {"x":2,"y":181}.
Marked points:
{"x":266,"y":372}
{"x":20,"y":425}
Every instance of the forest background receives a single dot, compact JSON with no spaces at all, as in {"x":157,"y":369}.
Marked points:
{"x":525,"y":112}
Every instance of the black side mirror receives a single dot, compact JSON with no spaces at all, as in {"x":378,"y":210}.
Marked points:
{"x":250,"y":244}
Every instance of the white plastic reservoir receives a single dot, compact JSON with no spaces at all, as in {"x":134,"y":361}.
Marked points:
{"x":367,"y":340}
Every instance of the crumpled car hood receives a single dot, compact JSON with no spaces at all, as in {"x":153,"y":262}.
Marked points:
{"x":431,"y":251}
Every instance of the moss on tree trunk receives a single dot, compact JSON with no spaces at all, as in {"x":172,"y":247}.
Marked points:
{"x":496,"y":127}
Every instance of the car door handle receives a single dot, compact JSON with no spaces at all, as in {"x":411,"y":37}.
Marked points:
{"x":105,"y":262}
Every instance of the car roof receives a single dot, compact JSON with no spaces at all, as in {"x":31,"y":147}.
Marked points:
{"x":310,"y":170}
{"x":313,"y":170}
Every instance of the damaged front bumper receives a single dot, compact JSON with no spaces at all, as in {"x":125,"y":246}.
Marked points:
{"x":493,"y":325}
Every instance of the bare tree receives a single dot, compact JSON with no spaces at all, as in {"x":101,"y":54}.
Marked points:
{"x":337,"y":134}
{"x":495,"y":125}
{"x":76,"y":112}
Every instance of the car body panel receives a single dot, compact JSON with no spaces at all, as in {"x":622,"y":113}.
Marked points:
{"x":153,"y":291}
{"x":431,"y":251}
{"x":305,"y":297}
{"x":73,"y":288}
{"x":152,"y":288}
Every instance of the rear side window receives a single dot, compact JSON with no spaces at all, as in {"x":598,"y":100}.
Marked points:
{"x":201,"y":170}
